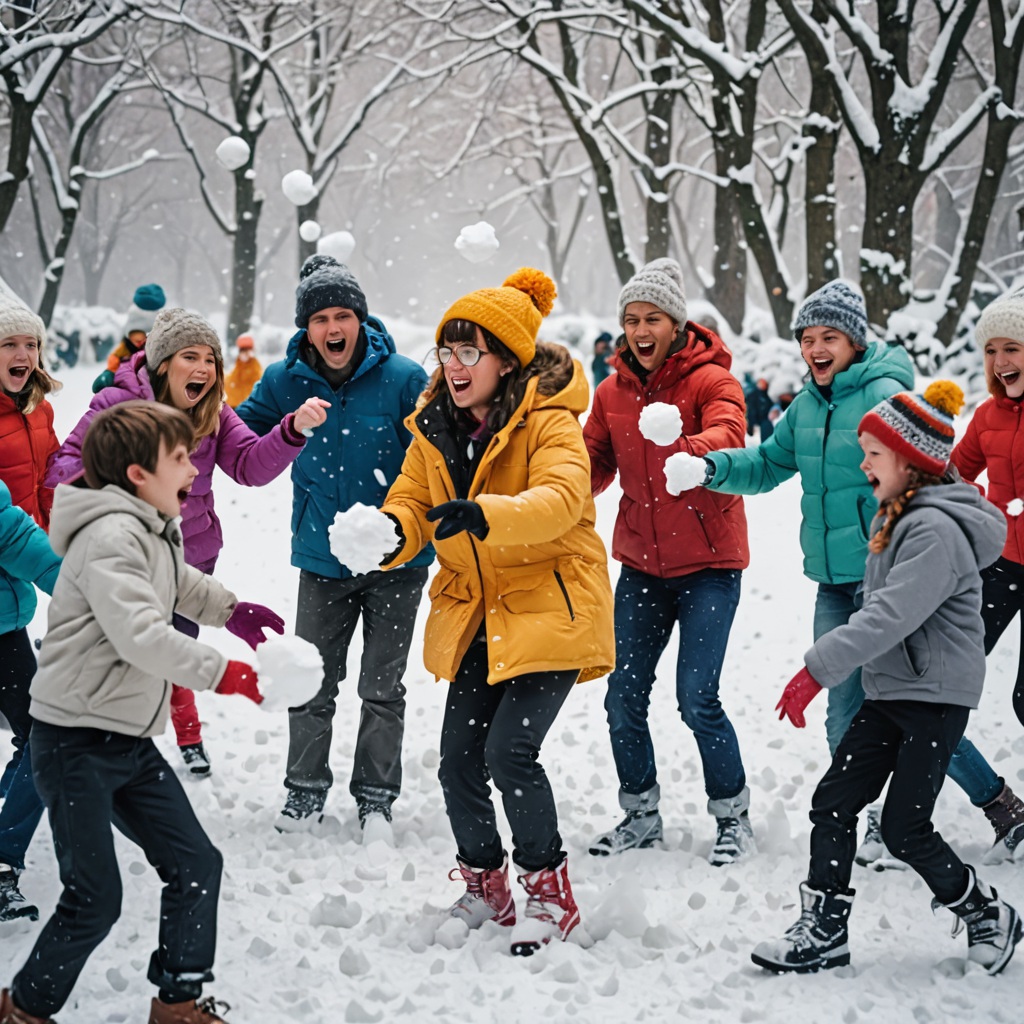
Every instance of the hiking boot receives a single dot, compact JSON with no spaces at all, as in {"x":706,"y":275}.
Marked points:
{"x":638,"y":830}
{"x":1006,"y":813}
{"x":993,"y":927}
{"x":873,"y":853}
{"x":375,"y":821}
{"x":191,"y":1011}
{"x":303,"y":808}
{"x":10,"y":1014}
{"x":551,"y":911}
{"x":194,"y":756}
{"x":487,"y":896}
{"x":735,"y":837}
{"x":12,"y":904}
{"x":818,"y":940}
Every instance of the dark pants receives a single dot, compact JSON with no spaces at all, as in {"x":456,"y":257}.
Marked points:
{"x":912,"y":741}
{"x":1002,"y":598}
{"x":328,"y":610}
{"x":89,"y":779}
{"x":495,"y":732}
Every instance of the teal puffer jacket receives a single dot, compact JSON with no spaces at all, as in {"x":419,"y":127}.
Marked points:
{"x":817,"y":438}
{"x":26,"y":558}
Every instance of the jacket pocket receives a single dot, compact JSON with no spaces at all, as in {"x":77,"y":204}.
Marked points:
{"x":451,"y":585}
{"x":540,"y":591}
{"x":916,"y":653}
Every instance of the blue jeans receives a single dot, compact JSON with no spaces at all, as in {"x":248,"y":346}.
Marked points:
{"x":21,"y":814}
{"x":646,"y":609}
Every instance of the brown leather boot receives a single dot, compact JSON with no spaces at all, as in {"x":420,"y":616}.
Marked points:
{"x":10,"y":1014}
{"x":191,"y":1011}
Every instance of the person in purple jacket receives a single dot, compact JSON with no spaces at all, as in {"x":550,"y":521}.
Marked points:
{"x":183,"y":366}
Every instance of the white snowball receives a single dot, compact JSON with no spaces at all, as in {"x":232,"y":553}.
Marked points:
{"x":661,"y":423}
{"x":298,"y":187}
{"x":290,"y":670}
{"x":1015,"y":507}
{"x":309,"y":231}
{"x":233,"y":152}
{"x":477,"y":242}
{"x":683,"y":472}
{"x":362,"y":537}
{"x":338,"y":244}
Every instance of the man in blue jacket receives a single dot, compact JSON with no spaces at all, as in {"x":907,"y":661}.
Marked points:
{"x":347,"y":359}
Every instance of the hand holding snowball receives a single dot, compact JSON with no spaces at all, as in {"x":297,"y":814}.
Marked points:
{"x":661,"y":423}
{"x":684,"y":471}
{"x":240,"y":678}
{"x":362,"y":537}
{"x":312,"y":413}
{"x":249,"y":620}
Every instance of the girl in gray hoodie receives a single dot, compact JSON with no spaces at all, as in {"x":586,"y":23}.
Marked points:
{"x":919,"y":638}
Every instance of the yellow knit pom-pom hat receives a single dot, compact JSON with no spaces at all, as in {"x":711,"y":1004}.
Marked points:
{"x":919,"y":427}
{"x":512,"y":313}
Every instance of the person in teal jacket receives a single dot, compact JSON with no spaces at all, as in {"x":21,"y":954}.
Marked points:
{"x":345,"y":358}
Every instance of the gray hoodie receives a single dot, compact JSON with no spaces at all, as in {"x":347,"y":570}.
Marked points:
{"x":919,"y":635}
{"x":110,"y":653}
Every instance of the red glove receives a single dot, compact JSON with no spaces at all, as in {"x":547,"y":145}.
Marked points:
{"x":240,"y":678}
{"x":799,"y":692}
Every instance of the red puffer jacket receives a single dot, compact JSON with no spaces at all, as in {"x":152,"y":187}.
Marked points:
{"x":995,"y":442}
{"x":656,"y":532}
{"x":26,"y":442}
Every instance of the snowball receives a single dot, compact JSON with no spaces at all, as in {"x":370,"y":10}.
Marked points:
{"x":336,"y":912}
{"x":477,"y":242}
{"x":683,"y":472}
{"x":362,"y":537}
{"x":309,"y":231}
{"x":233,"y":152}
{"x":338,"y":244}
{"x":661,"y":423}
{"x":291,"y":672}
{"x":1015,"y":507}
{"x":298,"y":187}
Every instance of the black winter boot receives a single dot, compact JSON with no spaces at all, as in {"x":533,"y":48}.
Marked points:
{"x":12,"y":904}
{"x":818,"y":940}
{"x":993,"y":927}
{"x":1006,"y":813}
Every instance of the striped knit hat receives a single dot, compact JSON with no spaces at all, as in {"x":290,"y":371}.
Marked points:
{"x":918,"y":427}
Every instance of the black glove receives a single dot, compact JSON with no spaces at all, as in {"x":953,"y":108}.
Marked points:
{"x":401,"y":538}
{"x":457,"y":516}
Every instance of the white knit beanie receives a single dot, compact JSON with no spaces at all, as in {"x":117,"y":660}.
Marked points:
{"x":660,"y":283}
{"x":1003,"y":318}
{"x":17,"y":318}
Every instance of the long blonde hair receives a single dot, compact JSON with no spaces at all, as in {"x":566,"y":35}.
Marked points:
{"x":206,"y":415}
{"x":39,"y":385}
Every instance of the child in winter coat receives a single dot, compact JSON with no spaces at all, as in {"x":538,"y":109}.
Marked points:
{"x":147,"y":301}
{"x":238,"y":384}
{"x":182,"y":366}
{"x":922,"y":617}
{"x":101,"y":693}
{"x":498,"y":477}
{"x":682,"y":560}
{"x":817,"y":438}
{"x":346,"y":359}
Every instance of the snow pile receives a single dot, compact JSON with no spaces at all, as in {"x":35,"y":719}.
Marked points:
{"x":338,"y":244}
{"x":233,"y":153}
{"x":661,"y":423}
{"x":362,"y":538}
{"x":298,"y":187}
{"x":477,"y":242}
{"x":309,"y":231}
{"x":290,"y":670}
{"x":683,"y":472}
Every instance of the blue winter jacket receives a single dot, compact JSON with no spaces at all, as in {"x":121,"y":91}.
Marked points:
{"x":26,"y":558}
{"x":357,"y":454}
{"x":817,"y":437}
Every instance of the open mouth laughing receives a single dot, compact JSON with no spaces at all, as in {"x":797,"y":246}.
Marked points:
{"x":460,"y":384}
{"x":823,"y":365}
{"x":337,"y":347}
{"x":644,"y":348}
{"x":194,"y":389}
{"x":19,"y":374}
{"x":1008,"y":377}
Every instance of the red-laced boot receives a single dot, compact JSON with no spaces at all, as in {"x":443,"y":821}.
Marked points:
{"x":488,"y":896}
{"x":551,"y":911}
{"x":10,"y":1014}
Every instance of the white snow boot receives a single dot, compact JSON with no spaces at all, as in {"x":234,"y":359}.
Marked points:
{"x":488,"y":896}
{"x":196,"y":760}
{"x":818,"y":940}
{"x":1006,"y":813}
{"x":735,"y":837}
{"x":640,"y":829}
{"x":551,"y":911}
{"x":993,"y":927}
{"x":872,"y":852}
{"x":303,"y":808}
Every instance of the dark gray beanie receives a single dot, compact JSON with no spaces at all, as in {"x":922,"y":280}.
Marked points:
{"x":323,"y":284}
{"x":836,"y":304}
{"x":175,"y":329}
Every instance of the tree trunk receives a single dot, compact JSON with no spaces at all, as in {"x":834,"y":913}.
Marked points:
{"x":55,"y":271}
{"x":243,"y":270}
{"x":728,"y":292}
{"x":310,"y":211}
{"x":658,"y":146}
{"x":20,"y":141}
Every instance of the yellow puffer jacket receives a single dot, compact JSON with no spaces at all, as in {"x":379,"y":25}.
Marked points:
{"x":238,"y":384}
{"x":541,"y":575}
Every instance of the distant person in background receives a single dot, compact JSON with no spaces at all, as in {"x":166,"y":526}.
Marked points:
{"x":238,"y":384}
{"x":147,"y":301}
{"x":759,"y":407}
{"x":600,"y":368}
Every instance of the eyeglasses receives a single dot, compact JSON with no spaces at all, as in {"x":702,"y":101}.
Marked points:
{"x":468,"y":355}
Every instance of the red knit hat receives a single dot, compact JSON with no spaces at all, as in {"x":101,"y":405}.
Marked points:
{"x":245,"y":341}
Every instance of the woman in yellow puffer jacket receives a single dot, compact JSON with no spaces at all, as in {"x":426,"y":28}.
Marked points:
{"x":498,"y":477}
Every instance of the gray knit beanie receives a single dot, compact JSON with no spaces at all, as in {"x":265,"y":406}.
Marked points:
{"x":175,"y":329}
{"x":17,"y":318}
{"x":660,"y":283}
{"x":839,"y":305}
{"x":1003,"y":318}
{"x":323,"y":284}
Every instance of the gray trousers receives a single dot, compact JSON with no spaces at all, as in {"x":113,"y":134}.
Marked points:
{"x":328,"y":610}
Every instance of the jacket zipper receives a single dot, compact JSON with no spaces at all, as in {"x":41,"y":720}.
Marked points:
{"x":565,"y":594}
{"x":704,"y":530}
{"x":824,"y":489}
{"x":472,"y":540}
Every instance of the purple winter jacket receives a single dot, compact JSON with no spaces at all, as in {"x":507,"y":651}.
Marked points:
{"x":246,"y":457}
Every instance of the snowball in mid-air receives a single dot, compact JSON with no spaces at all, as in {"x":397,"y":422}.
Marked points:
{"x":362,"y":537}
{"x":338,"y":244}
{"x":1015,"y":507}
{"x":233,"y":152}
{"x":309,"y":231}
{"x":291,"y":672}
{"x":683,"y":472}
{"x":477,"y":242}
{"x":298,"y":187}
{"x":661,"y":423}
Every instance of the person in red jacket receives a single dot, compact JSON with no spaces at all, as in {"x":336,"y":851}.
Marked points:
{"x":682,"y":557}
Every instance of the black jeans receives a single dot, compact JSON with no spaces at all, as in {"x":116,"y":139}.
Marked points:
{"x":495,"y":732}
{"x":17,"y":667}
{"x":1002,"y":597}
{"x":89,"y":779}
{"x":912,"y":741}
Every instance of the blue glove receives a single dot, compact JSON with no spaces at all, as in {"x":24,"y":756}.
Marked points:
{"x":456,"y":516}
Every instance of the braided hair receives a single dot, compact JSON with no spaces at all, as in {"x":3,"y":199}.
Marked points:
{"x":895,"y":507}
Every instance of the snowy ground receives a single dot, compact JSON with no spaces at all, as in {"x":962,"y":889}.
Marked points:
{"x":322,"y":929}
